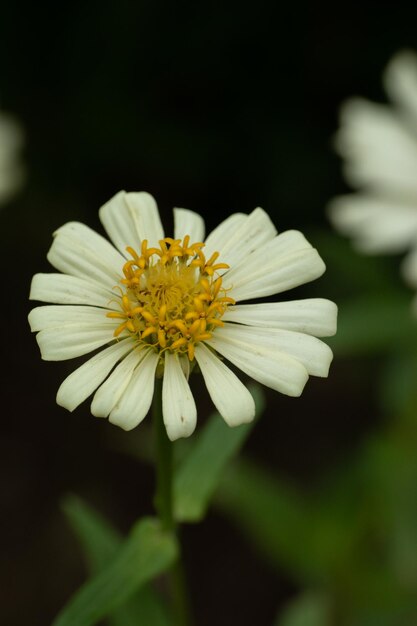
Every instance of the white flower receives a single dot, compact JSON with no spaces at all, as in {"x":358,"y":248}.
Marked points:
{"x":11,"y":170}
{"x":378,"y":143}
{"x":159,"y":305}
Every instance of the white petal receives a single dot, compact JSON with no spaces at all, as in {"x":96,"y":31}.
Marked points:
{"x":50,"y":316}
{"x":107,"y":396}
{"x":285,"y":262}
{"x":380,"y":151}
{"x":188,"y":222}
{"x":280,"y":246}
{"x":271,"y":368}
{"x":135,"y":402}
{"x":400,"y":79}
{"x":314,"y":316}
{"x":253,"y":232}
{"x":119,"y":220}
{"x":314,"y":354}
{"x":185,"y":365}
{"x":409,"y":268}
{"x":85,"y":379}
{"x":220,"y":235}
{"x":146,"y":216}
{"x":230,"y":396}
{"x":67,"y":342}
{"x":178,"y":406}
{"x":293,"y":270}
{"x":376,"y":224}
{"x":79,"y":251}
{"x":64,"y":289}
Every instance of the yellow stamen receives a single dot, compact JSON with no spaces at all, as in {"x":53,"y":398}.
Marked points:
{"x":181,"y":326}
{"x":191,"y":315}
{"x":171,"y":297}
{"x":161,"y":338}
{"x":120,"y":329}
{"x":130,"y":326}
{"x":149,"y":317}
{"x":195,"y":326}
{"x":180,"y":342}
{"x":213,"y":321}
{"x":115,"y":315}
{"x":148,"y":331}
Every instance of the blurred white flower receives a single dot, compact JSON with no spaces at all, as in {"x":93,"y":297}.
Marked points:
{"x":11,"y":168}
{"x":378,"y":143}
{"x":160,"y":304}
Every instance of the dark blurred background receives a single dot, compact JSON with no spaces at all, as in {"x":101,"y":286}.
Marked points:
{"x":217,"y":107}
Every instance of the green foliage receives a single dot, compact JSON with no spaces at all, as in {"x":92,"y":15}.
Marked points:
{"x":354,"y":537}
{"x":143,"y":555}
{"x":270,"y":513}
{"x":349,"y":543}
{"x":308,"y":609}
{"x":374,"y":324}
{"x":397,"y":388}
{"x":100,"y":543}
{"x":202,"y":468}
{"x":97,"y":537}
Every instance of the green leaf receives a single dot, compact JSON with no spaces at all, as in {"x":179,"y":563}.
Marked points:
{"x":273,"y":516}
{"x":146,"y":553}
{"x":142,"y":609}
{"x":100,"y":543}
{"x":201,"y":470}
{"x":308,"y":609}
{"x":318,"y":540}
{"x":99,"y":540}
{"x":392,"y":470}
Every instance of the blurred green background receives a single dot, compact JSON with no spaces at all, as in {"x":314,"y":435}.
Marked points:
{"x":216,"y":107}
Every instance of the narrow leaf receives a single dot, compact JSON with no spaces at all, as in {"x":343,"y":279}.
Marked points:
{"x":271,"y":514}
{"x":308,"y":609}
{"x":146,"y":553}
{"x":201,"y":469}
{"x":99,"y":540}
{"x":100,"y":543}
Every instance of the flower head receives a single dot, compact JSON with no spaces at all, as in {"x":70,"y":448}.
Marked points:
{"x":378,"y":144}
{"x":157,"y":306}
{"x":11,"y":170}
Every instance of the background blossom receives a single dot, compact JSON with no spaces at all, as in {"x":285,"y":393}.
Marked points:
{"x":378,"y":144}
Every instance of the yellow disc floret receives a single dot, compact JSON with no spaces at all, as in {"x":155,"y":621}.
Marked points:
{"x":171,"y":296}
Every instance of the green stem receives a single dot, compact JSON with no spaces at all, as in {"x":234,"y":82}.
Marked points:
{"x":164,"y":506}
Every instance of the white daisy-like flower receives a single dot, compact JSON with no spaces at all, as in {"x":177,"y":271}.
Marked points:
{"x":378,"y":144}
{"x":156,"y":305}
{"x":11,"y":169}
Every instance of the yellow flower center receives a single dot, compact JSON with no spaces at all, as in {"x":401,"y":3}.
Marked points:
{"x":171,"y":296}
